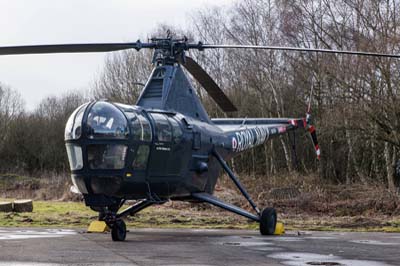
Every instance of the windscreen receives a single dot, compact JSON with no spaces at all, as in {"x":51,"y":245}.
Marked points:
{"x":106,"y":121}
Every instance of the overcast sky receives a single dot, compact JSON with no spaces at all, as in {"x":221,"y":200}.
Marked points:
{"x":24,"y":22}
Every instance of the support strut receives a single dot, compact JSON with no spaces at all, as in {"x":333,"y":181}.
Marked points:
{"x":229,"y":207}
{"x":135,"y":208}
{"x":236,"y":181}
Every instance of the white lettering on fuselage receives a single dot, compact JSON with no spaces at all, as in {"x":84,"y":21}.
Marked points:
{"x":163,"y":148}
{"x":248,"y":138}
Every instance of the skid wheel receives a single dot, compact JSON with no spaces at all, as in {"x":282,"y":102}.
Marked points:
{"x":118,"y":231}
{"x":268,"y":220}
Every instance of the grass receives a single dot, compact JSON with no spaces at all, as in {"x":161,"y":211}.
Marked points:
{"x":50,"y":214}
{"x":314,"y":206}
{"x":343,"y":224}
{"x":77,"y":215}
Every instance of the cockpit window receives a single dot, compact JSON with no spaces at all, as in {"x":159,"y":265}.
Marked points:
{"x":163,"y":128}
{"x":73,"y":128}
{"x":105,"y":121}
{"x":140,"y":161}
{"x":106,"y":156}
{"x":146,"y":133}
{"x":74,"y":156}
{"x":176,"y":130}
{"x":141,"y":129}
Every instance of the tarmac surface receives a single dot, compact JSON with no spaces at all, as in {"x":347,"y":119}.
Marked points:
{"x":46,"y":247}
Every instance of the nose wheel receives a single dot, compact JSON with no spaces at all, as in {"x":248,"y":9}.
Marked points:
{"x":114,"y":220}
{"x":268,"y":220}
{"x":118,"y":230}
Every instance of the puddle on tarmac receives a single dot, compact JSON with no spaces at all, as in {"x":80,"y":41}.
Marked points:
{"x":28,"y":263}
{"x":246,"y":244}
{"x":321,"y":237}
{"x":288,"y":239}
{"x":266,"y":248}
{"x":188,"y":265}
{"x":373,"y":242}
{"x":306,"y":259}
{"x":24,"y":263}
{"x":28,"y":234}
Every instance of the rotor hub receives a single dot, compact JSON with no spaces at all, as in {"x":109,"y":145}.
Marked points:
{"x":168,"y":51}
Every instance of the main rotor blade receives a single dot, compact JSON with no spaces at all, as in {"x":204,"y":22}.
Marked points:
{"x":209,"y":85}
{"x":298,"y":49}
{"x":72,"y":48}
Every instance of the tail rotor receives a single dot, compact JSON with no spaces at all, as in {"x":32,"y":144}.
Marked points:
{"x":313,"y":133}
{"x":311,"y":128}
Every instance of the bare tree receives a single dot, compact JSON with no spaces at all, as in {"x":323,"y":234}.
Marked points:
{"x":11,"y":105}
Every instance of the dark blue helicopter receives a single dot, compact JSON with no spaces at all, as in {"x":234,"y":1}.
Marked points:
{"x":165,"y":147}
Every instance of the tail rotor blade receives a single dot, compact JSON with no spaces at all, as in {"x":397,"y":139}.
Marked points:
{"x":209,"y":85}
{"x":313,"y":133}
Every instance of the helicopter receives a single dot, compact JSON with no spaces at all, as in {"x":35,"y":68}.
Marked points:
{"x":165,"y":147}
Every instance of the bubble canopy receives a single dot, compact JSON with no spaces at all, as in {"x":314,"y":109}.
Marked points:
{"x":106,"y":130}
{"x":107,"y":120}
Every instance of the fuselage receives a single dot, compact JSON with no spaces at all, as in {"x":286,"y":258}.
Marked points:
{"x":129,"y":152}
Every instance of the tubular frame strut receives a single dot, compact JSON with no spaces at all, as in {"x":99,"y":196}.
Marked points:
{"x":229,"y":207}
{"x":135,"y":208}
{"x":236,"y":181}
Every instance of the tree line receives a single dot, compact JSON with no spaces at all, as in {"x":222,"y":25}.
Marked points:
{"x":355,"y":99}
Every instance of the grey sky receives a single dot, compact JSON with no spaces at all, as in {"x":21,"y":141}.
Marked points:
{"x":24,"y":22}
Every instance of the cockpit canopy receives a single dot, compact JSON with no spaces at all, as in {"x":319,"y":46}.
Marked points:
{"x":105,"y":120}
{"x":106,"y":130}
{"x":112,"y":136}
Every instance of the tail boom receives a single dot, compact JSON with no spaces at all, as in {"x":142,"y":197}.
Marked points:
{"x":247,"y":133}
